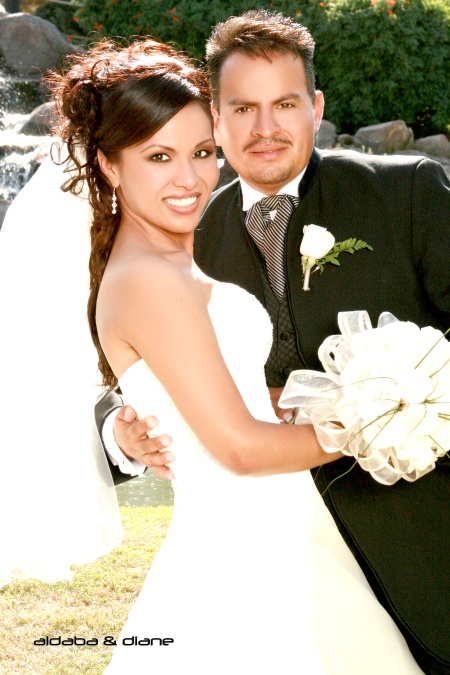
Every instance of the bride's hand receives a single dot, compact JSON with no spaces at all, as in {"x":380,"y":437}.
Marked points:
{"x":282,"y":413}
{"x":130,"y":435}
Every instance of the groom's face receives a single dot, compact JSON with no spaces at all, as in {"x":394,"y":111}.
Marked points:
{"x":266,"y":119}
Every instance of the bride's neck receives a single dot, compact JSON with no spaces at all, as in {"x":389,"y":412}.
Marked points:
{"x":155,"y":239}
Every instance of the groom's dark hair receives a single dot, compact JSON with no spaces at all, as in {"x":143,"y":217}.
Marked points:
{"x":259,"y":34}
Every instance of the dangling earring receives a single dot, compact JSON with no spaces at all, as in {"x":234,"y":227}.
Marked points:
{"x":114,"y":202}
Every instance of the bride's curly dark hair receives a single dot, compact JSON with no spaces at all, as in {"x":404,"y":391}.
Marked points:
{"x":108,"y":99}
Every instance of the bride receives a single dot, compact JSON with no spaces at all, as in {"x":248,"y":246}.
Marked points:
{"x":253,"y":575}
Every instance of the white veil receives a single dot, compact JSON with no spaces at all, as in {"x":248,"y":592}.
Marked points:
{"x":57,"y":500}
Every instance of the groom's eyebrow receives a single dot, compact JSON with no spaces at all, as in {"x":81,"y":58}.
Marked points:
{"x":289,"y":95}
{"x":239,"y":101}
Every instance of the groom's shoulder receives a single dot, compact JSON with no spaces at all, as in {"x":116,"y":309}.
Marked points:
{"x":352,"y":160}
{"x":221,"y":199}
{"x":225,"y":192}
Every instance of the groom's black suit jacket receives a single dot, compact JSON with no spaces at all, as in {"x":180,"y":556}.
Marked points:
{"x":401,"y":207}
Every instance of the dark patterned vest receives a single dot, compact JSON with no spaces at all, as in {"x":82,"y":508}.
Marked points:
{"x":283,"y":357}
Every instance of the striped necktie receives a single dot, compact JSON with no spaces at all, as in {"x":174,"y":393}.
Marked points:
{"x":269,"y":235}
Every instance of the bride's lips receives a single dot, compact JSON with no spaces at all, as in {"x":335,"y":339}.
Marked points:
{"x":183,"y":204}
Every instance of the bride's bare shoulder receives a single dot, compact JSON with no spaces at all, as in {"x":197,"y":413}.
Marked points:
{"x":148,"y":281}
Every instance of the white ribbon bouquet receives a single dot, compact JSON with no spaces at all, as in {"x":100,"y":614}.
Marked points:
{"x":384,"y":397}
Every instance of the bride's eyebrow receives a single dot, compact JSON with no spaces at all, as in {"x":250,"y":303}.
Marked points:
{"x":210,"y":139}
{"x":156,"y":145}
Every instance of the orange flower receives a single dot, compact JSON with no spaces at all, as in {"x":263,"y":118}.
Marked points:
{"x":113,"y":2}
{"x":98,"y":26}
{"x":298,"y":12}
{"x":76,"y":19}
{"x":69,"y":37}
{"x":322,"y":4}
{"x":391,"y":2}
{"x":390,"y":12}
{"x":174,"y":9}
{"x":175,"y":18}
{"x":373,"y":2}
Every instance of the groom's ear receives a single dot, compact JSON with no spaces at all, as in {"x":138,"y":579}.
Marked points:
{"x":216,"y":118}
{"x":107,"y":168}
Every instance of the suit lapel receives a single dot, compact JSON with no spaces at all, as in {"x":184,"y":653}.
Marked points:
{"x":229,"y":254}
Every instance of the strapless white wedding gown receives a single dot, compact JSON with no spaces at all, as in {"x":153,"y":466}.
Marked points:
{"x":253,"y":576}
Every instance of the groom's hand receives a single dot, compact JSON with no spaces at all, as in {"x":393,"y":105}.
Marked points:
{"x":282,"y":413}
{"x":130,"y":435}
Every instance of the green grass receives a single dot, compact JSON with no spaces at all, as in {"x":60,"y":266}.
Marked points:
{"x":94,"y":604}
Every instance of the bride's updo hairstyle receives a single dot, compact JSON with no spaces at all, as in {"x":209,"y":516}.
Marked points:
{"x":112,"y":98}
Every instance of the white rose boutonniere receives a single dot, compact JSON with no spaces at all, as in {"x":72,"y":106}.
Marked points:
{"x":316,"y":243}
{"x":318,"y":247}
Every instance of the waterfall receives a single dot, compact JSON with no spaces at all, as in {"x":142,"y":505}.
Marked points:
{"x":19,"y":153}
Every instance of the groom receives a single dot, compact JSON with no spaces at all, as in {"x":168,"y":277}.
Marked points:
{"x":267,"y":112}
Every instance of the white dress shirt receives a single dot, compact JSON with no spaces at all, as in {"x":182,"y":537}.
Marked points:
{"x":128,"y":466}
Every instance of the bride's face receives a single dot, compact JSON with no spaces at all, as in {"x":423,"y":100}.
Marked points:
{"x":166,"y":180}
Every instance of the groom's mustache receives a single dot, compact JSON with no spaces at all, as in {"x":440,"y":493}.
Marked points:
{"x":260,"y":144}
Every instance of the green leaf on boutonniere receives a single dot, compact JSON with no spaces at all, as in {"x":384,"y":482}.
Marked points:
{"x":347,"y":246}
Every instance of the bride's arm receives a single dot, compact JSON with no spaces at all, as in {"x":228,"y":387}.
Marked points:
{"x":161,"y":313}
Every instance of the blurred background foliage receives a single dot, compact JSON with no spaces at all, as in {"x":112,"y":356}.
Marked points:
{"x":376,"y":60}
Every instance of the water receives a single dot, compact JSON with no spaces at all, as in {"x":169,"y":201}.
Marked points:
{"x":19,"y":94}
{"x":19,"y":153}
{"x":146,"y":490}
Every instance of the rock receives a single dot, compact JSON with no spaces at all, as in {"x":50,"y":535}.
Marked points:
{"x":30,"y":45}
{"x":326,"y":136}
{"x":39,"y":122}
{"x":12,"y":6}
{"x":3,"y":209}
{"x":387,"y":137}
{"x":345,"y":139}
{"x":438,"y":146}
